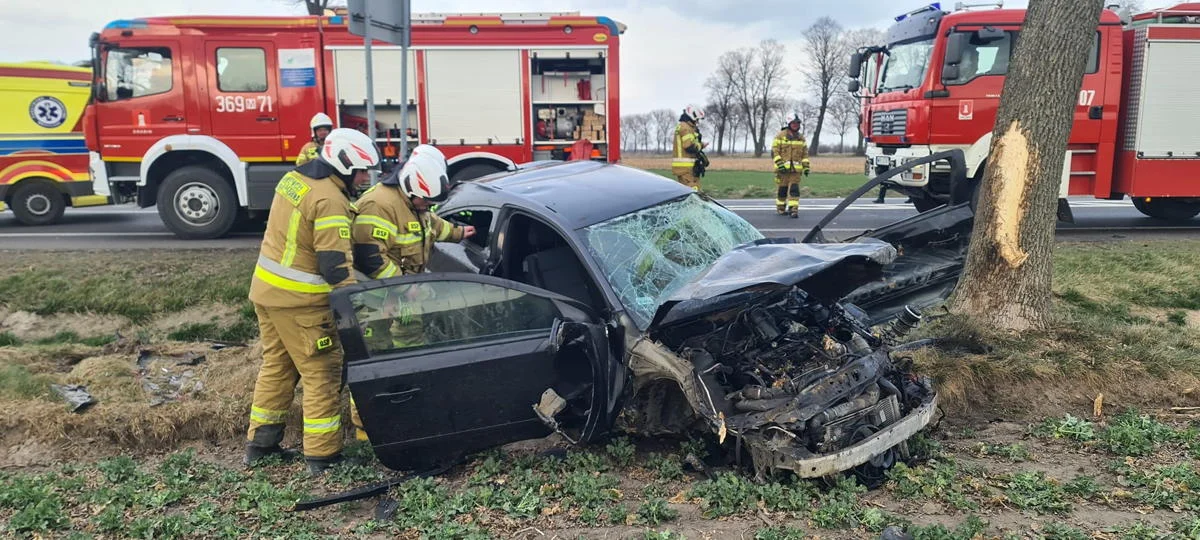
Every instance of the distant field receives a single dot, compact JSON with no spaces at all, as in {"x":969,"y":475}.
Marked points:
{"x":821,"y":164}
{"x":741,"y":184}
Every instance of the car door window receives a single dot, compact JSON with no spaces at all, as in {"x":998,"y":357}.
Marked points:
{"x":137,"y":72}
{"x":446,"y":313}
{"x":479,"y":218}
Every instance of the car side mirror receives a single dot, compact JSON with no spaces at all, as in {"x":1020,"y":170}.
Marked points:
{"x":853,"y":86}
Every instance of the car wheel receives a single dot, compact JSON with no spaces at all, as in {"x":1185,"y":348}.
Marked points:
{"x":471,"y":172}
{"x":1167,"y":209}
{"x":195,"y":203}
{"x":38,"y":202}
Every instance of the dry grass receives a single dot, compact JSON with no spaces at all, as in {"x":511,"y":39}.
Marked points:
{"x":1124,"y":327}
{"x":820,"y":164}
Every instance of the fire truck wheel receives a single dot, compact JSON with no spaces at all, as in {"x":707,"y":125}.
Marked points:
{"x":197,"y":203}
{"x":1167,"y":209}
{"x":37,"y":202}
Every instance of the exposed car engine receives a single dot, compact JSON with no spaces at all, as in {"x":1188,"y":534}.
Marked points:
{"x":796,"y":378}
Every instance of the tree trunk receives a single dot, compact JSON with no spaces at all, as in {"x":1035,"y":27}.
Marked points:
{"x":860,"y":148}
{"x":1006,"y":282}
{"x":816,"y":141}
{"x":842,"y":143}
{"x":721,"y":138}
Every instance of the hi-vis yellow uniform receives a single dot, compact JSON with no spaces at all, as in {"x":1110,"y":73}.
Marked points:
{"x":790,"y":154}
{"x":687,"y":148}
{"x":306,"y":254}
{"x":308,"y":152}
{"x":391,"y":238}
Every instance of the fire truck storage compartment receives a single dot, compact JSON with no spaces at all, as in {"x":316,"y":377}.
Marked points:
{"x":474,"y":96}
{"x":569,"y":91}
{"x":350,"y":66}
{"x":1164,"y":114}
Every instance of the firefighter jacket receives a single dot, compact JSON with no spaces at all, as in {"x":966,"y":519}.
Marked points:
{"x":687,"y":146}
{"x":308,"y":153}
{"x":789,"y":152}
{"x":306,"y":250}
{"x":392,"y":238}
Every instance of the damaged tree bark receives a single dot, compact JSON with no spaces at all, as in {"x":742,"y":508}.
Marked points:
{"x":1006,"y":282}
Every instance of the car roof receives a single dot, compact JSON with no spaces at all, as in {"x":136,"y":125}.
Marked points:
{"x":575,"y":194}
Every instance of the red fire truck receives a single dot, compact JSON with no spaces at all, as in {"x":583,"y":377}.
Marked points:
{"x":203,"y":115}
{"x":936,"y":86}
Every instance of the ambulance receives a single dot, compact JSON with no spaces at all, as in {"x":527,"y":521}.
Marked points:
{"x":43,"y":155}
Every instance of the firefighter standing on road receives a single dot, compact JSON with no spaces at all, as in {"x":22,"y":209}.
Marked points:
{"x":790,"y":153}
{"x":321,"y":125}
{"x":689,"y":160}
{"x":306,"y":253}
{"x":393,"y":235}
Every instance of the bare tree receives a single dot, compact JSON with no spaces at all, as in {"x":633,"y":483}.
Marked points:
{"x":759,"y":85}
{"x":1007,"y":278}
{"x":844,"y":111}
{"x":855,"y":39}
{"x":826,"y":68}
{"x":721,"y":100}
{"x":663,"y":122}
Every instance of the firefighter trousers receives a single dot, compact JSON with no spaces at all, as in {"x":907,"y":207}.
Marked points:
{"x":787,"y":192}
{"x":299,"y":346}
{"x":687,"y":177}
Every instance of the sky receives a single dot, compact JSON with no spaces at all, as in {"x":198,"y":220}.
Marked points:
{"x":668,"y":50}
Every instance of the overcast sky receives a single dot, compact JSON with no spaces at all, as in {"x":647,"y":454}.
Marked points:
{"x":667,"y":51}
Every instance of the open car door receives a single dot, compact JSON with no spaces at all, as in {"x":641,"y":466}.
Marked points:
{"x":441,"y":365}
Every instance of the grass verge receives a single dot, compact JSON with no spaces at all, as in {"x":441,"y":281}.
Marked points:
{"x":761,"y":185}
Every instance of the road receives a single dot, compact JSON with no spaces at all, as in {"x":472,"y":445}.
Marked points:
{"x":127,"y":227}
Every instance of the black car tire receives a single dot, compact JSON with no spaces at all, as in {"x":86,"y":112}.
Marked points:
{"x":196,"y":203}
{"x":38,"y":202}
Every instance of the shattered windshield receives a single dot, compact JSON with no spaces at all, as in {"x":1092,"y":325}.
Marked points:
{"x":648,"y":255}
{"x":905,"y":65}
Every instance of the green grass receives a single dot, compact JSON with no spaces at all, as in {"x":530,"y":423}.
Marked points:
{"x":16,"y":382}
{"x":135,"y":286}
{"x":761,"y":185}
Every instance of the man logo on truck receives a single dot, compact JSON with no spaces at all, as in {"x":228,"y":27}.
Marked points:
{"x":48,"y":112}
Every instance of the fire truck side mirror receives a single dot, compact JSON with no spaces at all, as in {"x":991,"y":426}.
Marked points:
{"x":956,"y":45}
{"x":853,"y":86}
{"x":856,"y":61}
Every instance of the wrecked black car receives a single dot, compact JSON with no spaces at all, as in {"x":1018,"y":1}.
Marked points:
{"x":597,"y":298}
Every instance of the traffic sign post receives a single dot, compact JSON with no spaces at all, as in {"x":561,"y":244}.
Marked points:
{"x":389,"y":21}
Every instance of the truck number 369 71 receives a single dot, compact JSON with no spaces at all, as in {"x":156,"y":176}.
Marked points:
{"x":237,"y":104}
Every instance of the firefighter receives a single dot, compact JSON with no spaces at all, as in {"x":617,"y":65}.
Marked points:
{"x":306,"y":253}
{"x":393,"y":235}
{"x":689,"y":160}
{"x":321,"y":125}
{"x":790,"y":154}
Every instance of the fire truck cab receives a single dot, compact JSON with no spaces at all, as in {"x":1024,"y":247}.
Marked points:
{"x":202,"y":116}
{"x":936,"y":84}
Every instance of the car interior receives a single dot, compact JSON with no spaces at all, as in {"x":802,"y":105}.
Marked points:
{"x":536,"y":255}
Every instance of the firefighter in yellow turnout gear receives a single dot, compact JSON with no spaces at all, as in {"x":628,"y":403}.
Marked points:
{"x":689,"y":161}
{"x":306,"y":253}
{"x":790,"y":154}
{"x":321,"y":124}
{"x":393,"y":235}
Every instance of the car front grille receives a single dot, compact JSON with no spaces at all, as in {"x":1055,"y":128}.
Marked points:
{"x":889,"y":122}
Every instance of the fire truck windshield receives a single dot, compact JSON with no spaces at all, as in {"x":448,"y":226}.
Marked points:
{"x":905,"y":65}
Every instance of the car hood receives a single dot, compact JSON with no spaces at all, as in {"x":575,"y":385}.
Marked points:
{"x":915,"y":262}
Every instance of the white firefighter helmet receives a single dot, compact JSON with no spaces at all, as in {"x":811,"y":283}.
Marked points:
{"x":693,"y":113}
{"x":348,"y":150}
{"x":320,"y":120}
{"x":424,"y":176}
{"x":428,"y":149}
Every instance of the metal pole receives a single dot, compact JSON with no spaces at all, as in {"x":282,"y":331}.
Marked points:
{"x":404,"y":96}
{"x":370,"y":83}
